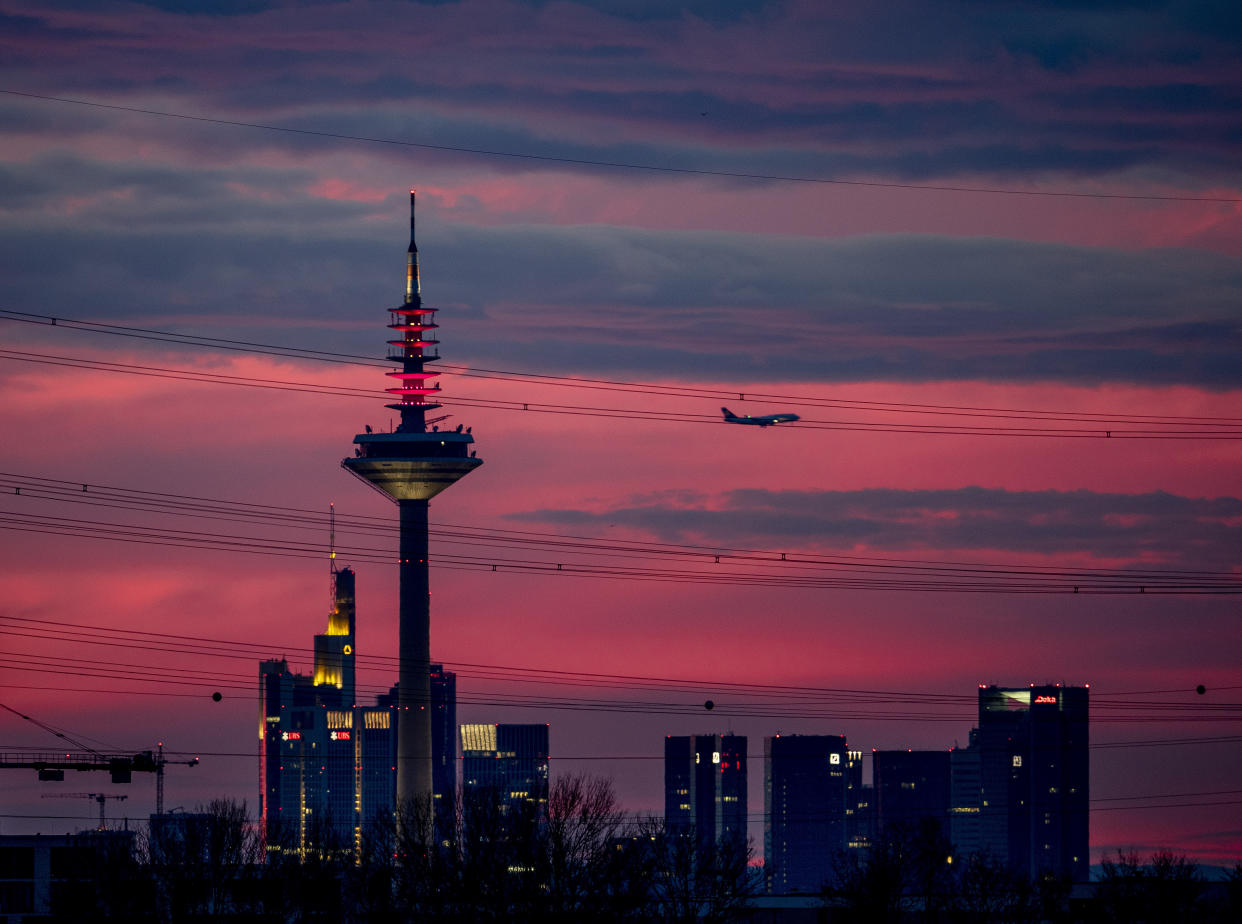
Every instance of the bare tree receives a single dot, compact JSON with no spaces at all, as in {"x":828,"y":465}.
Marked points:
{"x":696,"y":879}
{"x":871,"y":886}
{"x":1166,"y":888}
{"x":581,"y":866}
{"x":987,"y":890}
{"x":205,"y":863}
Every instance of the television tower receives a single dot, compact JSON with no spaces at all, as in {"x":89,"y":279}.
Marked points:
{"x":412,"y":464}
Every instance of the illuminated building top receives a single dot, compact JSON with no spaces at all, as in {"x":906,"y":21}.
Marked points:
{"x":411,"y":462}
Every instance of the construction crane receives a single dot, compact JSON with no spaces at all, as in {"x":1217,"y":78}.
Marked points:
{"x":160,"y":763}
{"x":51,"y":766}
{"x":100,"y":797}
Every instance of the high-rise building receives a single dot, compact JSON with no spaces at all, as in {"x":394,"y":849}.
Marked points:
{"x":327,"y":765}
{"x":410,"y":465}
{"x":910,"y":788}
{"x":1034,"y":778}
{"x":307,"y":759}
{"x":443,"y":740}
{"x":507,"y":763}
{"x":859,"y":804}
{"x":806,"y":794}
{"x":965,"y":830}
{"x":705,"y":786}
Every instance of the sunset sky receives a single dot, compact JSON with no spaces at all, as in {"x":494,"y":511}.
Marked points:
{"x":887,"y":219}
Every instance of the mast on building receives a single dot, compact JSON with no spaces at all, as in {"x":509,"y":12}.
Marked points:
{"x":410,"y":465}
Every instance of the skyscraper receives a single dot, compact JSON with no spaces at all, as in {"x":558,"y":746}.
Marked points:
{"x":911,"y":787}
{"x":705,"y":786}
{"x":307,"y":755}
{"x":410,"y":465}
{"x":1034,"y":778}
{"x":965,"y":792}
{"x":443,"y":739}
{"x":806,"y":793}
{"x":328,"y":766}
{"x":508,"y":763}
{"x":859,"y":804}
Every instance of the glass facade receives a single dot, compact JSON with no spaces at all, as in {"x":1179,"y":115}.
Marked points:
{"x":806,"y":795}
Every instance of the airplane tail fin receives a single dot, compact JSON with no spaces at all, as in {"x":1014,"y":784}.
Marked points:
{"x":728,"y":414}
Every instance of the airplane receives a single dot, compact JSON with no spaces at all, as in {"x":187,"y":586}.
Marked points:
{"x":765,"y":420}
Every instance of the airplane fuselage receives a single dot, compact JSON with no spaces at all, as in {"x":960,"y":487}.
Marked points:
{"x":764,"y":420}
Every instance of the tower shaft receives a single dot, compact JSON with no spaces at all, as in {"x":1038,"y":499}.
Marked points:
{"x":414,"y":647}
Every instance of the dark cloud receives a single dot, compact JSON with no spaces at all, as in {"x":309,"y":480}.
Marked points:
{"x":845,"y":91}
{"x":220,"y":245}
{"x":1155,"y":528}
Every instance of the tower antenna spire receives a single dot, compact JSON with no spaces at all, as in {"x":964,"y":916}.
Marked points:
{"x":413,"y":286}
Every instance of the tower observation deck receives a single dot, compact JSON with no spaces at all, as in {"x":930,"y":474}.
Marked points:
{"x":411,"y":465}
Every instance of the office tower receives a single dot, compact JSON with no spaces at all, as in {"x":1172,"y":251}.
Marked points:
{"x":806,"y":795}
{"x":443,"y":740}
{"x":328,"y":766}
{"x":965,"y":830}
{"x":910,"y":787}
{"x":1034,"y":778}
{"x":334,"y":649}
{"x":307,"y":759}
{"x":705,"y":786}
{"x":507,"y":763}
{"x":307,"y":762}
{"x":410,"y":465}
{"x":375,"y":771}
{"x":859,"y":804}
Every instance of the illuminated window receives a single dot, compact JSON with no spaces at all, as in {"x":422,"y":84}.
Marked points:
{"x":715,"y":757}
{"x":1017,"y":760}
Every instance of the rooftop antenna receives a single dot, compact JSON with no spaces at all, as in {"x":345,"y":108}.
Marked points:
{"x":332,"y":559}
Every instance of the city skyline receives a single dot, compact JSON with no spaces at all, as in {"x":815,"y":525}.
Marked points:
{"x":892,"y":307}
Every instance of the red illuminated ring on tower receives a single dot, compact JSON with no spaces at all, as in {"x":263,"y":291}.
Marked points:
{"x":415,"y":327}
{"x":429,"y":390}
{"x":410,"y":309}
{"x":412,"y":375}
{"x":412,"y":343}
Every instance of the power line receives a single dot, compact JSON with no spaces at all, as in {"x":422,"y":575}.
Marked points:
{"x":1213,"y":432}
{"x":311,"y":519}
{"x":960,"y":411}
{"x":1029,"y":584}
{"x":731,"y":692}
{"x":735,"y":700}
{"x":614,"y":165}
